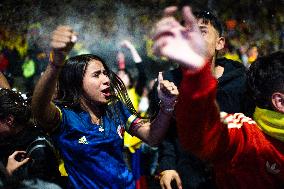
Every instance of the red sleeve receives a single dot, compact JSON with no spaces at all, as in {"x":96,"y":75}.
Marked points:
{"x":198,"y":117}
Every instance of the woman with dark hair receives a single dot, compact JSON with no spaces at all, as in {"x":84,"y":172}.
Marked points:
{"x":92,"y":112}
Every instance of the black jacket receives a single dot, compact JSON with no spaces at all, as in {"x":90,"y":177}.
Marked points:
{"x":232,"y":98}
{"x":232,"y":95}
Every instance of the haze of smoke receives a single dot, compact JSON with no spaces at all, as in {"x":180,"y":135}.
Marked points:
{"x":99,"y":32}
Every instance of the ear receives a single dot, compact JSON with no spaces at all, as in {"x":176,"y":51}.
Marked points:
{"x":278,"y":101}
{"x":10,"y":120}
{"x":220,"y":43}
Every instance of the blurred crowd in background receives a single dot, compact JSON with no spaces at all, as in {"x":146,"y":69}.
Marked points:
{"x":252,"y":28}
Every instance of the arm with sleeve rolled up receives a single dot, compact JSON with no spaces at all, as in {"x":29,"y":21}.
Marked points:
{"x":44,"y":110}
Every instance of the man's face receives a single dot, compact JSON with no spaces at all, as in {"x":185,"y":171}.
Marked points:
{"x":211,"y":37}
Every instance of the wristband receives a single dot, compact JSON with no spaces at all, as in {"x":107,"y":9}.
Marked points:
{"x":51,"y":60}
{"x":166,"y":109}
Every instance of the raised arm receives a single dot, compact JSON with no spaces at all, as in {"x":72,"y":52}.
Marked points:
{"x":43,"y":108}
{"x":153,"y":132}
{"x":197,"y":113}
{"x":141,"y":80}
{"x":135,"y":55}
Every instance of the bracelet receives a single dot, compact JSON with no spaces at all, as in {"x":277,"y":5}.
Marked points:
{"x":166,"y":109}
{"x":51,"y":61}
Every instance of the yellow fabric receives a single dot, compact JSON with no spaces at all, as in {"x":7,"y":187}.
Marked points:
{"x":129,"y":121}
{"x":131,"y":142}
{"x":270,"y":122}
{"x":232,"y":56}
{"x":62,"y":168}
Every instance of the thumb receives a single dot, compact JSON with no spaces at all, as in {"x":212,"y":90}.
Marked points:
{"x":169,"y":11}
{"x":160,"y":78}
{"x":178,"y":181}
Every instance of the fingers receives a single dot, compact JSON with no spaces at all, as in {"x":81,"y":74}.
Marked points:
{"x":13,"y":155}
{"x":178,"y":181}
{"x":24,"y":161}
{"x":169,"y":11}
{"x":165,"y":183}
{"x":160,"y":77}
{"x":164,"y":26}
{"x":126,"y":43}
{"x":189,"y":19}
{"x":62,"y":37}
{"x":168,"y":88}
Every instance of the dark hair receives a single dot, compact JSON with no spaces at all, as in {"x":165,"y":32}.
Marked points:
{"x":208,"y":17}
{"x":70,"y":83}
{"x":266,"y":76}
{"x":12,"y":103}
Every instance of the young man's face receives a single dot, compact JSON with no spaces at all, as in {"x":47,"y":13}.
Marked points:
{"x":211,"y":36}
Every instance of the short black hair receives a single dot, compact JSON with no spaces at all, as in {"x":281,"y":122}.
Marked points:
{"x":209,"y":17}
{"x":266,"y":76}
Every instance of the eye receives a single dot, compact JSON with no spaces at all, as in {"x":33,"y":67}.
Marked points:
{"x":105,"y":72}
{"x":203,"y":32}
{"x":96,"y":74}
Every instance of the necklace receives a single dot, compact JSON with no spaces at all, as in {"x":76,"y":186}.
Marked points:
{"x":101,"y":128}
{"x":99,"y":122}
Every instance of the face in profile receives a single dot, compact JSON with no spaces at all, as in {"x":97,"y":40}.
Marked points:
{"x":96,"y":83}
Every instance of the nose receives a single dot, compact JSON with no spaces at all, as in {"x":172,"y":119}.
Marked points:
{"x":106,"y":80}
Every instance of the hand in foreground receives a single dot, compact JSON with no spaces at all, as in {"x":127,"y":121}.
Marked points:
{"x":183,"y":44}
{"x":166,"y":177}
{"x":14,"y":164}
{"x":167,"y":93}
{"x":62,"y":41}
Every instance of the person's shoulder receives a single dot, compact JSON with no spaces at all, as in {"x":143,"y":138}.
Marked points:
{"x":230,"y":64}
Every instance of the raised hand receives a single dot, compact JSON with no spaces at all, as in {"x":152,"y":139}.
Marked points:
{"x":135,"y":55}
{"x":183,"y":44}
{"x":62,"y":41}
{"x":126,"y":44}
{"x":14,"y":164}
{"x":167,"y":93}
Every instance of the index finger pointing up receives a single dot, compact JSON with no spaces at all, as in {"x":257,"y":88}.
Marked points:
{"x":160,"y":77}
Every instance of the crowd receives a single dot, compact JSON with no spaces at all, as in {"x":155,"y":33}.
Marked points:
{"x":212,"y":119}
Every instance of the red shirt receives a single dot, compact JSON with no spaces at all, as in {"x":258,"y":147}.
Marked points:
{"x":243,"y":156}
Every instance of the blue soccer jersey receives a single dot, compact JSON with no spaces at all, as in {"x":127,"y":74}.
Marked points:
{"x":93,"y":154}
